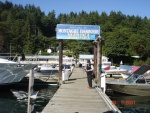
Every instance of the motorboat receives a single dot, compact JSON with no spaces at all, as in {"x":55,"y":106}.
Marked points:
{"x":51,"y":71}
{"x":47,"y":68}
{"x":13,"y":73}
{"x":135,"y":84}
{"x":6,"y":61}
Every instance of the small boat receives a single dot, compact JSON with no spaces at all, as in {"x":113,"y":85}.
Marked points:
{"x":135,"y":84}
{"x":114,"y":72}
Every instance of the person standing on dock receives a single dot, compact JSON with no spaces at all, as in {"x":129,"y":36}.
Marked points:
{"x":89,"y":71}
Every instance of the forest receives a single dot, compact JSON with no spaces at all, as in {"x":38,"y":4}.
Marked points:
{"x":27,"y":30}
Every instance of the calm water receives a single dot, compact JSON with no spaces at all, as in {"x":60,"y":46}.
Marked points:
{"x":131,"y":104}
{"x":10,"y":104}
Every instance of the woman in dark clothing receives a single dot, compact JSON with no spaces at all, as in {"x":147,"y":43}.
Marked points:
{"x":89,"y":70}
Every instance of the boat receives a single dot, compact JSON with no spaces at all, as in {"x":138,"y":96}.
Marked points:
{"x":134,"y":85}
{"x":138,"y":83}
{"x":51,"y":71}
{"x":11,"y":73}
{"x":6,"y":61}
{"x":47,"y":67}
{"x":114,"y":71}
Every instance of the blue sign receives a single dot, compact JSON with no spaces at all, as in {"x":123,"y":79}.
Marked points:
{"x":77,"y":32}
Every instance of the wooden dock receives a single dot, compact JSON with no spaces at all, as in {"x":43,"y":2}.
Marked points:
{"x":75,"y":97}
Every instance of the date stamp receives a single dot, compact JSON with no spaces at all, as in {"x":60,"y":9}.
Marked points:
{"x":124,"y":102}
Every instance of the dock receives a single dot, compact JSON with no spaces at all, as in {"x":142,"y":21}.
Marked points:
{"x":74,"y":97}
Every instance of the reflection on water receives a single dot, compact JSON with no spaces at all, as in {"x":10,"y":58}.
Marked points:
{"x":10,"y":104}
{"x":132,"y":104}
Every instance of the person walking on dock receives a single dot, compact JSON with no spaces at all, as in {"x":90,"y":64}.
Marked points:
{"x":89,"y":71}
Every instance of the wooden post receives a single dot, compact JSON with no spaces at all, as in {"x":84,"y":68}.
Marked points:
{"x":60,"y":60}
{"x":99,"y":61}
{"x":30,"y":90}
{"x":100,"y":56}
{"x":95,"y":60}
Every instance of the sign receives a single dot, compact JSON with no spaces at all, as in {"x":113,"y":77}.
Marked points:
{"x":77,"y":32}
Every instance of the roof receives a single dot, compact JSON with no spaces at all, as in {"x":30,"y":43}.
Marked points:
{"x":82,"y":56}
{"x":46,"y":57}
{"x":86,"y":56}
{"x":42,"y":57}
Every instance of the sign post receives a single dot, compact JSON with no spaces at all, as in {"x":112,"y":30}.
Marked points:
{"x":74,"y":32}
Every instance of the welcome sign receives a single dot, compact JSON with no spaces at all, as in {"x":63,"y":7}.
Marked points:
{"x":77,"y":32}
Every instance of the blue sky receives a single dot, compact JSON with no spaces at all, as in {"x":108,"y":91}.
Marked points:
{"x":128,"y":7}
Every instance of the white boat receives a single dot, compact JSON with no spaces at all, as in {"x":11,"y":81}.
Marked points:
{"x":133,"y":85}
{"x":7,"y":61}
{"x":136,"y":84}
{"x":13,"y":73}
{"x":114,"y":72}
{"x":47,"y":68}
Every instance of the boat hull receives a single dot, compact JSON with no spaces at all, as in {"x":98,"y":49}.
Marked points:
{"x":131,"y":89}
{"x":12,"y":73}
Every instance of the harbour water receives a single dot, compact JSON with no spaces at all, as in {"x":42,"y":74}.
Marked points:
{"x":10,"y":104}
{"x":131,"y":104}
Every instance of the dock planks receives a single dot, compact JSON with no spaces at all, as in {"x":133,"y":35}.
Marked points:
{"x":75,"y":97}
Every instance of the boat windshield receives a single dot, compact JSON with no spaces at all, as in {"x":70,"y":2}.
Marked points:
{"x":132,"y":78}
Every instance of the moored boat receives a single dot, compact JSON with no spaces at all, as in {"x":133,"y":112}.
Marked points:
{"x":134,"y":85}
{"x":12,"y":73}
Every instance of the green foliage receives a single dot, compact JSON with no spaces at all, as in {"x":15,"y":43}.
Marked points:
{"x":28,"y":30}
{"x":147,"y":61}
{"x":138,"y":62}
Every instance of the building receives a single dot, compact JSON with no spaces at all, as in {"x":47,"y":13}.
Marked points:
{"x":83,"y":59}
{"x":46,"y":59}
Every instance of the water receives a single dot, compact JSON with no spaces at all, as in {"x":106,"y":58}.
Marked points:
{"x":10,"y":104}
{"x":131,"y":104}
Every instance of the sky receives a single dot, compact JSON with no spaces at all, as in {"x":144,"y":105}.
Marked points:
{"x":128,"y":7}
